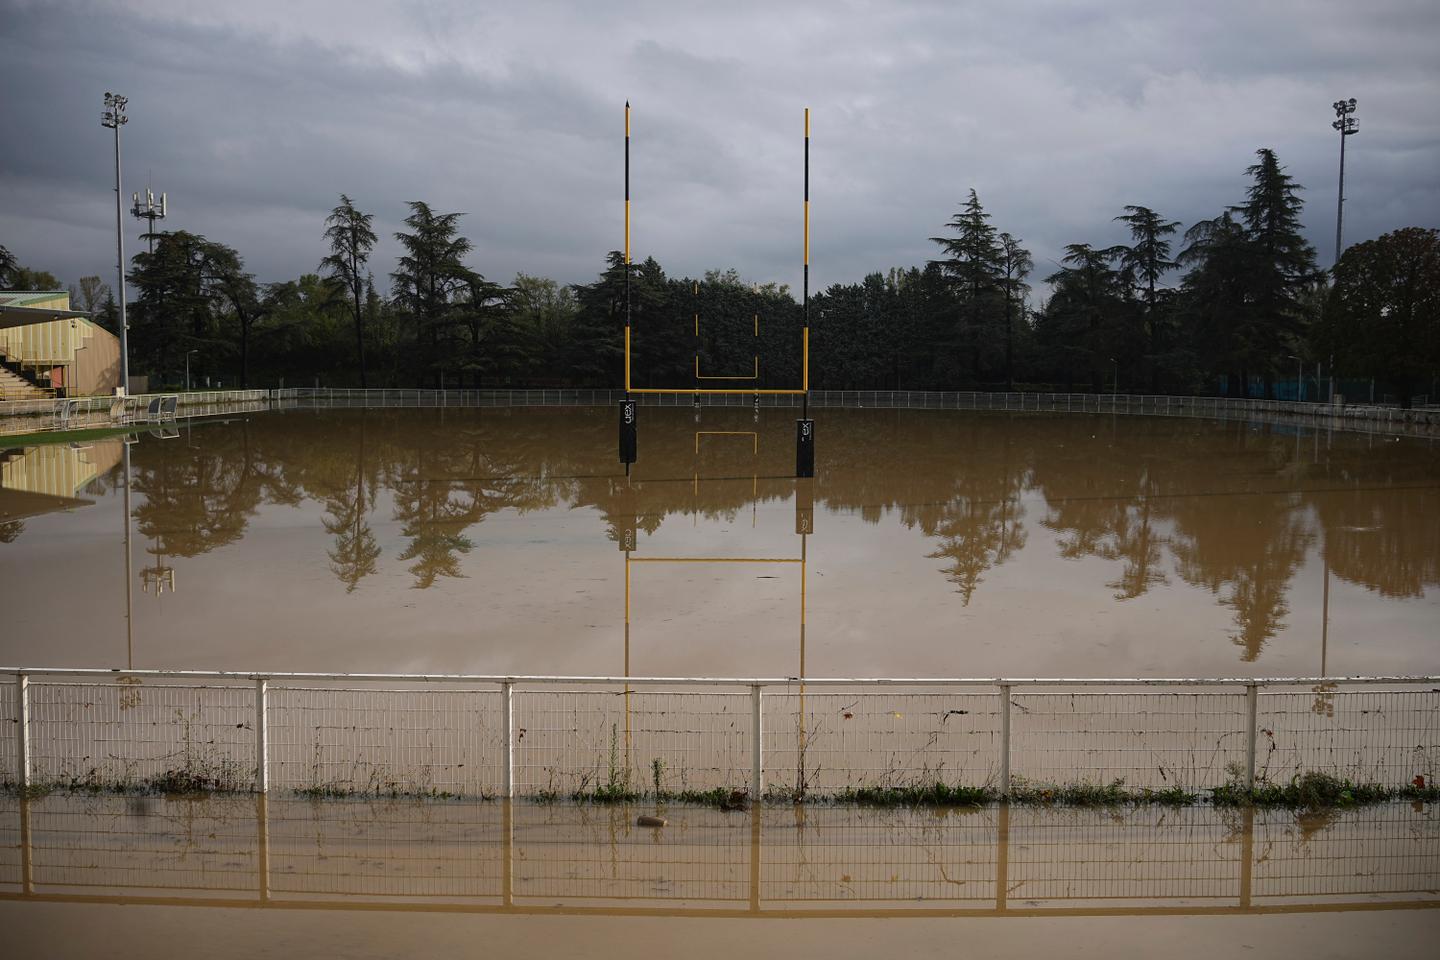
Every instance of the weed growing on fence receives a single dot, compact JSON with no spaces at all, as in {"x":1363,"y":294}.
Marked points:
{"x":917,"y":795}
{"x":1314,"y":790}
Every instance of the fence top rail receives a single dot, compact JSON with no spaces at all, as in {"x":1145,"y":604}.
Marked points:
{"x":540,"y":680}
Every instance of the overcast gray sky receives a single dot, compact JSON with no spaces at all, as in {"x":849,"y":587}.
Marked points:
{"x":254,"y":115}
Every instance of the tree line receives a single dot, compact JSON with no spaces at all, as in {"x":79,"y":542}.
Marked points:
{"x":1231,"y":303}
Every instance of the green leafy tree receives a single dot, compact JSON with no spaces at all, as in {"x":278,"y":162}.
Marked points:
{"x":351,"y":240}
{"x":543,"y":313}
{"x":174,"y":310}
{"x":1382,"y":318}
{"x":1014,"y":265}
{"x":235,"y":291}
{"x":8,"y":266}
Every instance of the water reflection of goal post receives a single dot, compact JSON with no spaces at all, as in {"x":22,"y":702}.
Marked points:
{"x":799,"y":561}
{"x":804,"y":526}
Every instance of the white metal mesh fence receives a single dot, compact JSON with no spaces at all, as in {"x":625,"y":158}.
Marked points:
{"x":386,"y":741}
{"x":121,"y":734}
{"x":9,"y":722}
{"x":1367,"y":736}
{"x":1154,"y":740}
{"x":1369,"y":418}
{"x":825,"y":742}
{"x":610,"y":740}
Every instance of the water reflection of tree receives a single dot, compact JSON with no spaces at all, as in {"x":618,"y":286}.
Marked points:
{"x":1386,"y":540}
{"x":957,"y":479}
{"x":461,"y":474}
{"x":1235,"y":531}
{"x":355,"y":553}
{"x":1101,"y":500}
{"x":200,"y":494}
{"x":1248,"y":560}
{"x":1217,"y":495}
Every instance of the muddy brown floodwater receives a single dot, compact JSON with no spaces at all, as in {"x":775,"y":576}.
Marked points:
{"x":116,"y":876}
{"x":935,"y":544}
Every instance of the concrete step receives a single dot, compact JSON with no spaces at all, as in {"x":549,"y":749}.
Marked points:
{"x":13,"y":387}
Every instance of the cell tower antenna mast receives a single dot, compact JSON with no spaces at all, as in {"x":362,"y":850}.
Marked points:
{"x":145,"y":208}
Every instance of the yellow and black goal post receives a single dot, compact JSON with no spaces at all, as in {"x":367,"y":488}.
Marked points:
{"x":804,"y":427}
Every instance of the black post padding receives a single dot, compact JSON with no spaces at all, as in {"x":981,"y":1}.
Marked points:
{"x":627,"y":431}
{"x":804,"y":448}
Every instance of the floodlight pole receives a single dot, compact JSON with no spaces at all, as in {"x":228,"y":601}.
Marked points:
{"x":1348,"y":127}
{"x":114,"y":118}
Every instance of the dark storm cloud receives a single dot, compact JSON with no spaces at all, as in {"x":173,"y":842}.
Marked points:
{"x":255,"y":116}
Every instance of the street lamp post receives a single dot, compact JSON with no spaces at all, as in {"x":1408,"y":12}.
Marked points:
{"x":114,"y":118}
{"x":1348,"y":126}
{"x":187,"y":367}
{"x":1299,"y":377}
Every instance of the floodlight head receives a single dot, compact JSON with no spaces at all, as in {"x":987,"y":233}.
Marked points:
{"x":114,"y":114}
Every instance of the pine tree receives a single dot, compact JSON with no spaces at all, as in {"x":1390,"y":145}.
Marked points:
{"x":1282,"y":263}
{"x":972,"y":263}
{"x":351,"y":240}
{"x":429,"y":274}
{"x":1143,"y":265}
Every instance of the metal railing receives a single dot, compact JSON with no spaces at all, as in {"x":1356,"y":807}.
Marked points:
{"x":102,"y":411}
{"x":78,"y":413}
{"x":1350,"y":416}
{"x":381,"y":734}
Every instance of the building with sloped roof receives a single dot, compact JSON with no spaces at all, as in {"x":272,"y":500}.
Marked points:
{"x":49,"y":350}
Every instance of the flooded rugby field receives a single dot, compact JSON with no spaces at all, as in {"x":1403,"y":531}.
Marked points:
{"x":930,"y":544}
{"x":937,"y":544}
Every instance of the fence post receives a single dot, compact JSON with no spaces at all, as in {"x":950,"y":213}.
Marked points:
{"x":22,"y":731}
{"x":757,"y":758}
{"x":506,"y":727}
{"x":1251,"y":703}
{"x":262,"y":739}
{"x":1005,"y":740}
